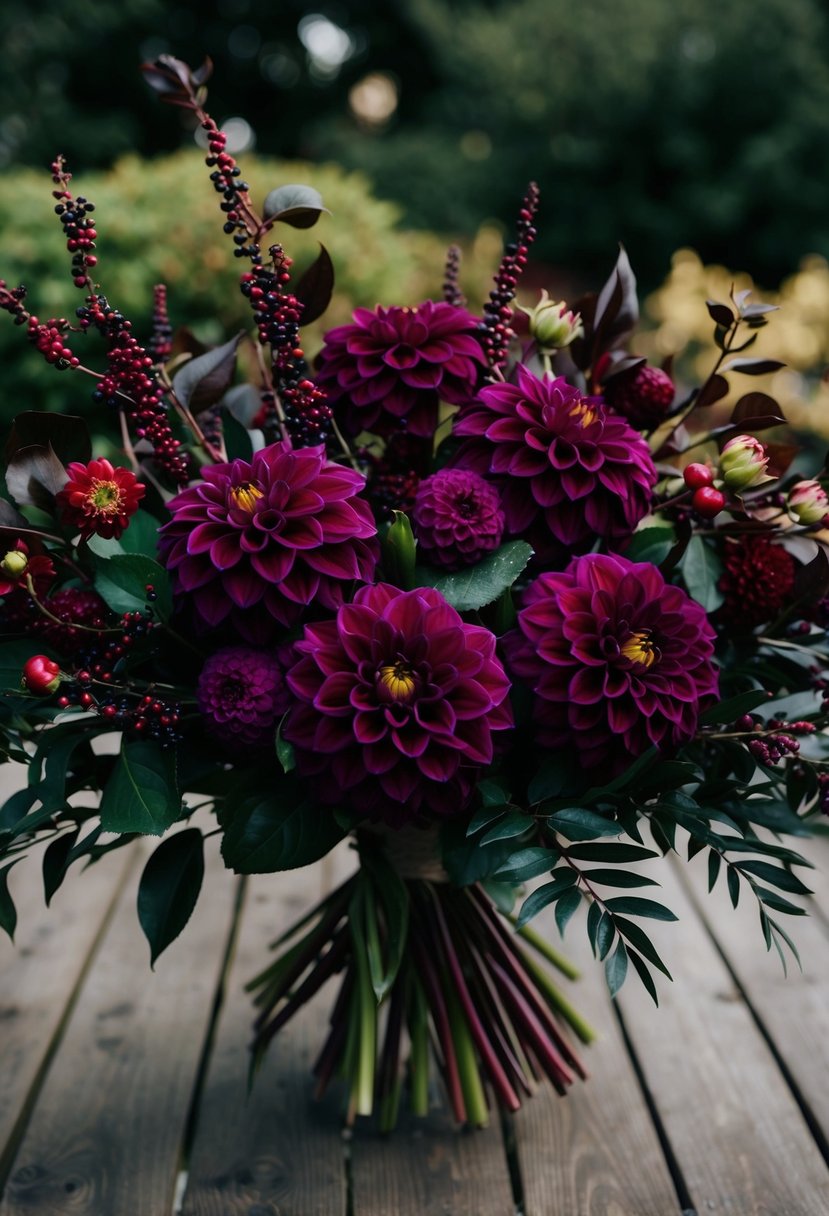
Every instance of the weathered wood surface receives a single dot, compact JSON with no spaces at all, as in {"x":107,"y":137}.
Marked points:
{"x":121,"y":1095}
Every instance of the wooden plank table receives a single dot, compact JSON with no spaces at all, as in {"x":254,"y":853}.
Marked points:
{"x":123,"y":1091}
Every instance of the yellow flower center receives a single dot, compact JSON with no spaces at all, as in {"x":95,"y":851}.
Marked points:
{"x":245,"y":496}
{"x":398,"y":679}
{"x":641,"y":648}
{"x":105,"y":497}
{"x":583,"y":413}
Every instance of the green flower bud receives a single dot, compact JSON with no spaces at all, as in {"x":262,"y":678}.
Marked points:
{"x":399,"y":549}
{"x":14,"y":563}
{"x":553,"y":325}
{"x":743,"y":463}
{"x":808,"y":503}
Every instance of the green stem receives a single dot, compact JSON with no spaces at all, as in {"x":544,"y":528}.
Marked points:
{"x":362,"y":1090}
{"x":559,"y":961}
{"x":561,"y":1005}
{"x":474,"y":1096}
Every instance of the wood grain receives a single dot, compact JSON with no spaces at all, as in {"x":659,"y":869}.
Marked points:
{"x":277,"y":1152}
{"x":594,"y":1152}
{"x":738,"y":1136}
{"x":105,"y":1135}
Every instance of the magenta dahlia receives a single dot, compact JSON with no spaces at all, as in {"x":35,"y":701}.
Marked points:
{"x":257,"y":541}
{"x":457,"y":518}
{"x":559,"y":459}
{"x":389,"y":369}
{"x":617,"y":659}
{"x":241,"y":694}
{"x":396,"y":704}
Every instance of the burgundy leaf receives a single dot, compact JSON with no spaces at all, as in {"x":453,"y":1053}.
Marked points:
{"x":67,"y":434}
{"x":714,"y":389}
{"x":721,"y":314}
{"x":314,"y":288}
{"x":758,"y":410}
{"x":204,"y":380}
{"x":34,"y":476}
{"x":753,"y":367}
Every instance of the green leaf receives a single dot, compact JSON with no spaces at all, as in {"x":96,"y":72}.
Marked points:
{"x":714,"y":861}
{"x":280,"y":830}
{"x":8,"y":912}
{"x":645,"y":976}
{"x":575,"y":823}
{"x":782,"y":933}
{"x":733,"y":886}
{"x":55,"y":863}
{"x":772,"y":900}
{"x":636,"y":935}
{"x":169,"y":888}
{"x":492,"y":792}
{"x":122,"y":582}
{"x":594,"y":915}
{"x":651,"y":544}
{"x":516,"y":823}
{"x":285,"y":753}
{"x":141,"y":793}
{"x":141,"y":534}
{"x":525,"y":864}
{"x":619,"y":878}
{"x":476,"y":586}
{"x":702,"y":569}
{"x":616,"y":968}
{"x":634,"y":905}
{"x":297,"y":205}
{"x":555,"y":777}
{"x":605,"y":934}
{"x":563,"y":881}
{"x":733,"y":708}
{"x":565,"y":908}
{"x":467,"y":861}
{"x":776,"y":875}
{"x":238,"y":441}
{"x":393,"y":897}
{"x":484,"y":816}
{"x":618,"y":852}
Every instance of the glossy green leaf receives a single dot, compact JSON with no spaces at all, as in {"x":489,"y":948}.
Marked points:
{"x":634,"y":905}
{"x":651,"y":544}
{"x":515,"y":823}
{"x":575,"y":823}
{"x":141,"y":794}
{"x":637,"y":937}
{"x":565,"y":907}
{"x":122,"y":581}
{"x":616,"y":967}
{"x":476,"y":586}
{"x":702,"y":569}
{"x":542,"y":897}
{"x":775,"y":875}
{"x":526,"y":864}
{"x":619,"y":878}
{"x":8,"y":912}
{"x":280,"y":830}
{"x":645,"y":976}
{"x":169,"y":888}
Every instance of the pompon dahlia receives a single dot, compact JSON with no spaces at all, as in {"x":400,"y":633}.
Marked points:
{"x":241,"y":694}
{"x":389,"y":370}
{"x":457,"y":518}
{"x":757,"y":581}
{"x":617,"y":658}
{"x":257,"y":541}
{"x":559,"y":460}
{"x":396,"y":704}
{"x":98,"y":499}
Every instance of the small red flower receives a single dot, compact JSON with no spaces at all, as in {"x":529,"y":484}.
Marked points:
{"x":98,"y":499}
{"x":41,"y":675}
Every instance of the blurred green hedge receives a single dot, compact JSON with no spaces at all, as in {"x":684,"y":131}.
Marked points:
{"x":159,"y":221}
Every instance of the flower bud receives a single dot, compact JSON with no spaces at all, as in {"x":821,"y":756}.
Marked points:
{"x":41,"y":675}
{"x":554,"y":325}
{"x":14,"y":564}
{"x":743,"y":463}
{"x":399,"y":549}
{"x":808,"y":503}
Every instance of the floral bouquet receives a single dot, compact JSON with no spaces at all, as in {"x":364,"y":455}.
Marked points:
{"x":488,"y":595}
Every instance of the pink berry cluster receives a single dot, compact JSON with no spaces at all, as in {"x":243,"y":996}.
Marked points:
{"x":47,"y":337}
{"x":452,"y":293}
{"x":778,"y":739}
{"x":161,"y":340}
{"x":494,"y":332}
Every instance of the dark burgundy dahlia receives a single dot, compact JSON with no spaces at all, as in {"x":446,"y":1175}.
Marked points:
{"x":241,"y":694}
{"x":559,"y":459}
{"x":257,"y":541}
{"x":457,"y":518}
{"x":396,"y":704}
{"x":389,"y":369}
{"x":757,"y":582}
{"x":617,"y":659}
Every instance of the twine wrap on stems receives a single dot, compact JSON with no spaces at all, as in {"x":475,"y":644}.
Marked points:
{"x":412,"y":852}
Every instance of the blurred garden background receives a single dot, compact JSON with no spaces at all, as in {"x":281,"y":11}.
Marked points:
{"x":695,"y":134}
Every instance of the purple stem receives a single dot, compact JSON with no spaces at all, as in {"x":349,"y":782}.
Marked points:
{"x":437,"y":1005}
{"x":502,"y":1028}
{"x":548,"y":1056}
{"x":500,"y":1081}
{"x":331,"y":962}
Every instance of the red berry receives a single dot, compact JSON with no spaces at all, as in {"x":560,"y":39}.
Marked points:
{"x":708,"y":501}
{"x":698,"y":475}
{"x":41,"y":675}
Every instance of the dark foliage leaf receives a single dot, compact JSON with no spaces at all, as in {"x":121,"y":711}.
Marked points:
{"x":644,"y":975}
{"x":34,"y":475}
{"x":733,"y":708}
{"x":525,"y":864}
{"x":780,"y":457}
{"x":141,"y":794}
{"x":204,"y":380}
{"x":122,"y":581}
{"x":485,"y":816}
{"x":701,"y":570}
{"x":733,"y":886}
{"x":476,"y":586}
{"x":169,"y":888}
{"x":594,"y":915}
{"x":55,"y":862}
{"x":715,"y":388}
{"x":714,"y":862}
{"x":613,"y":852}
{"x":772,"y":900}
{"x":753,"y":367}
{"x":575,"y":823}
{"x":299,"y":206}
{"x":811,"y":580}
{"x":467,"y":861}
{"x":563,"y":881}
{"x":393,"y":897}
{"x":238,"y":442}
{"x":617,"y":308}
{"x":619,"y":878}
{"x":721,"y":314}
{"x":565,"y":907}
{"x":516,"y":823}
{"x":315,"y":287}
{"x":68,"y":435}
{"x":652,"y":544}
{"x":776,"y":875}
{"x":605,"y":933}
{"x":637,"y":937}
{"x":8,"y":912}
{"x":616,"y":968}
{"x":555,"y":778}
{"x":758,"y":411}
{"x":280,"y":830}
{"x":634,"y":905}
